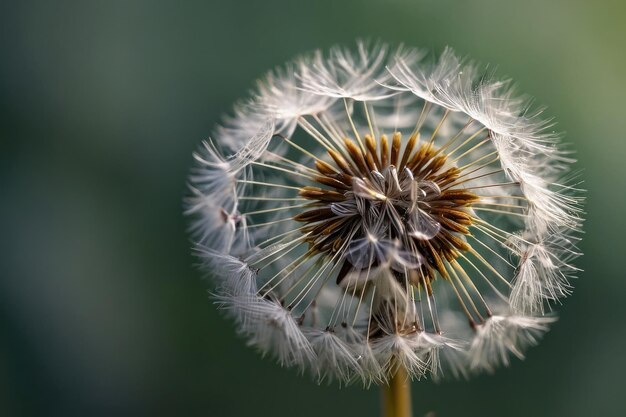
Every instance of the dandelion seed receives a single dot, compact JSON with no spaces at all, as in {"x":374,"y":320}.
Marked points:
{"x":374,"y":212}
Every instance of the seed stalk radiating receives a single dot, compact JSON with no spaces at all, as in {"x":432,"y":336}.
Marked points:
{"x":370,"y":213}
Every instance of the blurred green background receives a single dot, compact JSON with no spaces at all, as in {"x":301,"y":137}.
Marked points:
{"x":102,"y":311}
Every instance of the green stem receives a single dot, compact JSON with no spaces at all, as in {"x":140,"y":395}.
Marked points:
{"x":396,"y":401}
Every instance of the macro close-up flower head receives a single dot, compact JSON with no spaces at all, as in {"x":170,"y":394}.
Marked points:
{"x":375,"y":210}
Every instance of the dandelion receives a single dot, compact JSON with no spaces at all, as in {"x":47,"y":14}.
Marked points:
{"x":380,"y":215}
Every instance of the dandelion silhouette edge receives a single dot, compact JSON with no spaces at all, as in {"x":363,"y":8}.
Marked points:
{"x":369,"y":209}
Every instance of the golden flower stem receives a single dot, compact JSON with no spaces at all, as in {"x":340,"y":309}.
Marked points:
{"x":396,"y":396}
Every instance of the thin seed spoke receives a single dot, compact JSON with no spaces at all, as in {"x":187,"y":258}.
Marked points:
{"x":300,"y":148}
{"x":466,"y":293}
{"x":455,"y":160}
{"x":281,"y":169}
{"x":494,"y":235}
{"x":479,"y":167}
{"x":459,"y":182}
{"x":432,"y":307}
{"x":487,"y":280}
{"x":356,"y":133}
{"x":356,"y":311}
{"x":275,"y":209}
{"x":339,"y":305}
{"x":466,"y":141}
{"x":274,"y":249}
{"x":461,"y":302}
{"x":315,"y":134}
{"x":314,"y":298}
{"x":459,"y":134}
{"x":467,"y":278}
{"x":338,"y":132}
{"x":517,"y":197}
{"x":268,"y":184}
{"x":330,"y":131}
{"x":281,"y":235}
{"x":369,"y":267}
{"x":333,"y":261}
{"x":259,"y":198}
{"x":488,"y":203}
{"x":443,"y":119}
{"x":369,"y":121}
{"x":498,"y":171}
{"x":369,"y":320}
{"x":491,"y":250}
{"x":311,"y":284}
{"x":508,"y":213}
{"x":488,"y":265}
{"x":282,"y":255}
{"x":502,"y":184}
{"x":290,"y":269}
{"x":288,"y":162}
{"x":253,"y":226}
{"x":422,"y":117}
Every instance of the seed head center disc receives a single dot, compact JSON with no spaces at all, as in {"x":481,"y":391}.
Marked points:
{"x":381,"y":202}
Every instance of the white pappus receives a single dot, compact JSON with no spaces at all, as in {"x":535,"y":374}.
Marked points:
{"x":380,"y":208}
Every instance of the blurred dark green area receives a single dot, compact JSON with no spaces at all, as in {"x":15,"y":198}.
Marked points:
{"x":102,"y":311}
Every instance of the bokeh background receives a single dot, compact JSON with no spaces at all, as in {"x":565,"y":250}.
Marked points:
{"x":102,"y":311}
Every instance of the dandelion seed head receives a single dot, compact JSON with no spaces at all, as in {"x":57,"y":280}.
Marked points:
{"x":372,"y":208}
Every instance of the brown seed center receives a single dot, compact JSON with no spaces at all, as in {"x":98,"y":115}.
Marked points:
{"x":376,"y":191}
